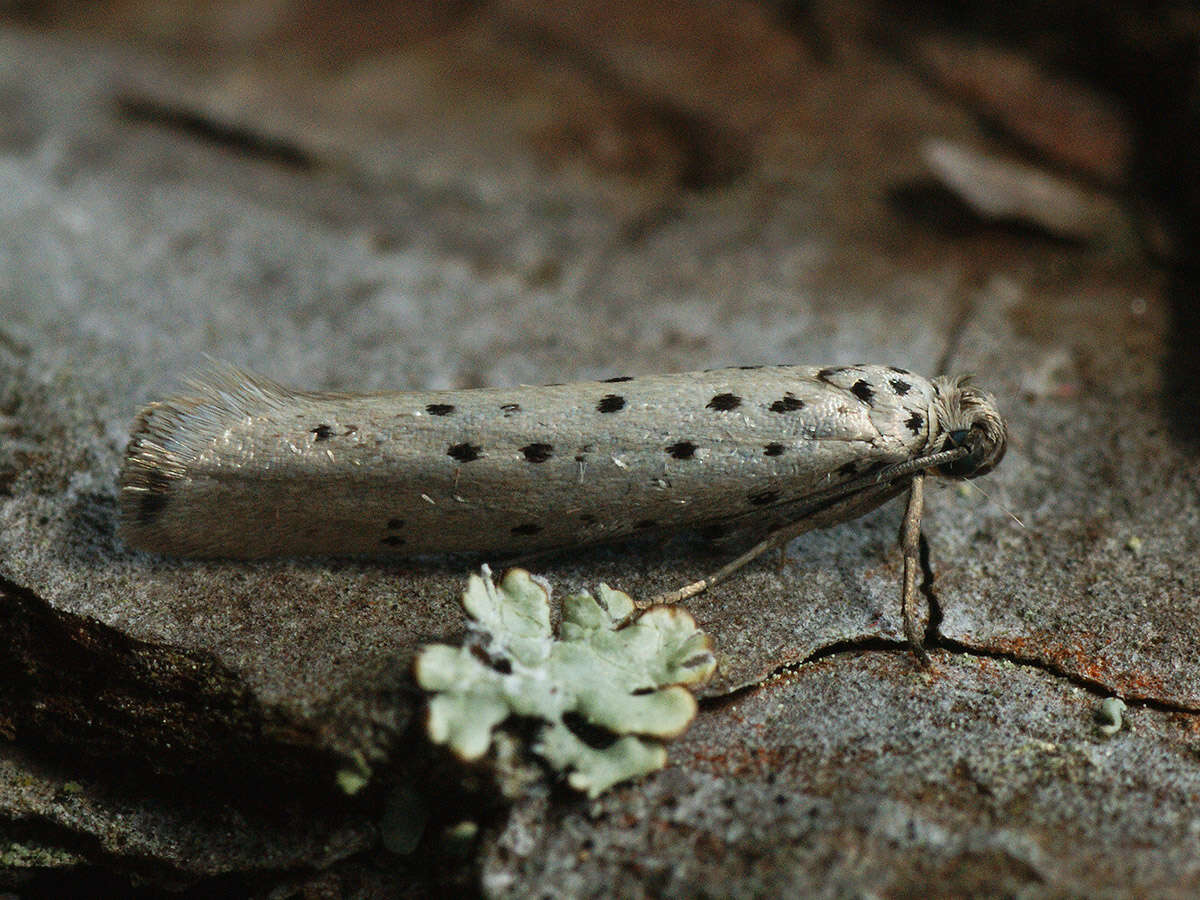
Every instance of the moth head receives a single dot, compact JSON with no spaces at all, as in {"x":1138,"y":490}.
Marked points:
{"x":968,"y":417}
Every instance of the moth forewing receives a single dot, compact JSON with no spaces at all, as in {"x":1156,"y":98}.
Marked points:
{"x":246,"y":468}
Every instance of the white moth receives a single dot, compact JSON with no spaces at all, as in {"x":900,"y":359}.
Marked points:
{"x":247,"y":468}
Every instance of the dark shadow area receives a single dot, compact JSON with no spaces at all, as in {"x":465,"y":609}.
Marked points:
{"x":1146,"y":58}
{"x":203,"y":128}
{"x":104,"y":704}
{"x":1181,"y":367}
{"x":931,"y":205}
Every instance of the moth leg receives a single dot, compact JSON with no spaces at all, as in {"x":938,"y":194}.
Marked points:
{"x":910,"y":548}
{"x":778,"y":538}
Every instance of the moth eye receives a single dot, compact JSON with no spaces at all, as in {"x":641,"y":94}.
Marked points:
{"x":983,"y":452}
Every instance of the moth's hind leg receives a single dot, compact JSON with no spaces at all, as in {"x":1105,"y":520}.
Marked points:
{"x":776,"y":539}
{"x":910,"y":546}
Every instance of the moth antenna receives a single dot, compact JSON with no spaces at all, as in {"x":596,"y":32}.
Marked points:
{"x":1000,"y":506}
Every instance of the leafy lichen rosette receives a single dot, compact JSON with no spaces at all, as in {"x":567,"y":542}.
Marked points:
{"x":622,"y":674}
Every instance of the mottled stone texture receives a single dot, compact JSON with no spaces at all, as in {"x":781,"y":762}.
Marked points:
{"x":455,"y":195}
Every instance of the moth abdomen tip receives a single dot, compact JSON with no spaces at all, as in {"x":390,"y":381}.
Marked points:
{"x":146,"y":487}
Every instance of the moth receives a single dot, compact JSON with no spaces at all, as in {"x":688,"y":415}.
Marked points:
{"x":246,"y":468}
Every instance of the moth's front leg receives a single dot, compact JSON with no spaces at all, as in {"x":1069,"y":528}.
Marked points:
{"x":910,"y":547}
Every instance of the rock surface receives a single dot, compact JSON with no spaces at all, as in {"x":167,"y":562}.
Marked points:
{"x":452,"y":197}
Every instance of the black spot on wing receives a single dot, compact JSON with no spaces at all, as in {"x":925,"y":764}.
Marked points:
{"x":773,"y":449}
{"x":538,"y":453}
{"x":898,"y":370}
{"x":509,"y":408}
{"x":617,"y":380}
{"x":915,"y":423}
{"x":863,"y":392}
{"x":610,"y":403}
{"x":827,"y":373}
{"x":724,"y":402}
{"x":848,"y":469}
{"x":789,"y":403}
{"x":645,"y":523}
{"x":529,"y":528}
{"x":682,"y":450}
{"x":439,"y":409}
{"x":900,"y":386}
{"x":323,"y":432}
{"x":465,"y":452}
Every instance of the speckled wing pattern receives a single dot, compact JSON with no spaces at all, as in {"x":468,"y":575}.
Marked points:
{"x":247,"y":468}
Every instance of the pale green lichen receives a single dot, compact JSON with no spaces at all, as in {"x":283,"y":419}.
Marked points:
{"x":355,"y":775}
{"x":616,"y":672}
{"x":1109,"y":717}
